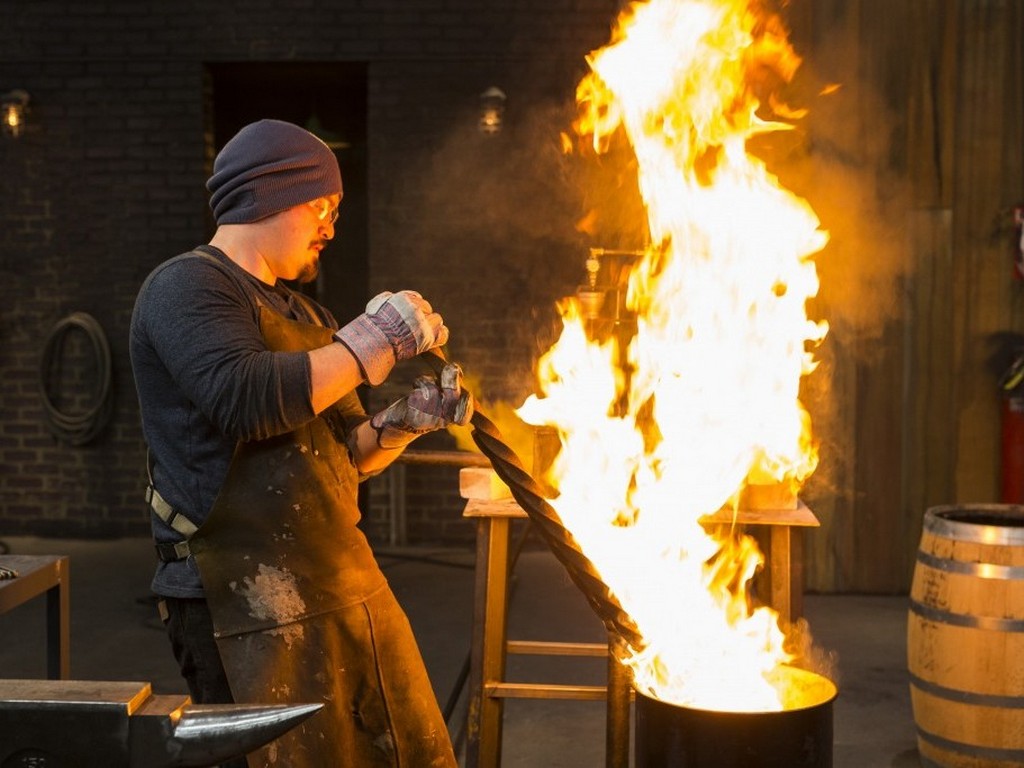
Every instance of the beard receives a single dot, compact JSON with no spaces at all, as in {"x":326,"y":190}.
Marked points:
{"x":308,"y":273}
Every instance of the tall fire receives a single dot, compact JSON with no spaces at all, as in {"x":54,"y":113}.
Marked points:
{"x":702,"y":400}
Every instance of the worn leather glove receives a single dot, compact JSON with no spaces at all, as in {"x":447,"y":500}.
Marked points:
{"x":395,"y":326}
{"x":433,"y":404}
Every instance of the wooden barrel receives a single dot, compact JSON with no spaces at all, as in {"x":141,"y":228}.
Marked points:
{"x":965,"y":637}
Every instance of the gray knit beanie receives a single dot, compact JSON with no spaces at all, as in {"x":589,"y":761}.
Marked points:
{"x":269,"y":166}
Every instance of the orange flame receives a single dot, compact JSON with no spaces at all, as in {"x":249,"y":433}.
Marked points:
{"x":704,"y":398}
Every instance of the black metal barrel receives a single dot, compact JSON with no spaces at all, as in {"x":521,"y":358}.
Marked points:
{"x":668,"y":735}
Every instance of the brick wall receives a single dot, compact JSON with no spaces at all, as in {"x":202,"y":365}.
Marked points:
{"x":107,"y":181}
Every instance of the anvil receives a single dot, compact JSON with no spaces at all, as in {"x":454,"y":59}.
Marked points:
{"x":68,"y":724}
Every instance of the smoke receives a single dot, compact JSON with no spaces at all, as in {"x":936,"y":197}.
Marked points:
{"x":841,"y":158}
{"x":508,"y":190}
{"x":512,"y":216}
{"x":843,"y":168}
{"x":807,"y":654}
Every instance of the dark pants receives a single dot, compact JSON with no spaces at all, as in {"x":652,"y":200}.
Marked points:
{"x":190,"y":630}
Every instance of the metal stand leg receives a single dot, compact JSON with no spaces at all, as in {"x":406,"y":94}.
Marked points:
{"x":58,"y":626}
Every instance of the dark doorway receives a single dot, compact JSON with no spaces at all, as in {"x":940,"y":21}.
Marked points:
{"x":329,"y":99}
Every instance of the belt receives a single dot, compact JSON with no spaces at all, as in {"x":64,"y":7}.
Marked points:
{"x":171,"y":552}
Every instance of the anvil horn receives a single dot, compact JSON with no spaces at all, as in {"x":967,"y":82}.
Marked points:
{"x":203,"y":735}
{"x":123,"y":725}
{"x":211,"y":734}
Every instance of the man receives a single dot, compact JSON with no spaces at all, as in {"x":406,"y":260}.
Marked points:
{"x":257,"y":442}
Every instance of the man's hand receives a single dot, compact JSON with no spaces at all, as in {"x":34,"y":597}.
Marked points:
{"x":395,"y":326}
{"x":433,"y":404}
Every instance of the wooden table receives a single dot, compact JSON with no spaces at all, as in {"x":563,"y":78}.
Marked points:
{"x":43,"y":575}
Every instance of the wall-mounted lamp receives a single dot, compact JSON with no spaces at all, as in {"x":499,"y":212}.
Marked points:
{"x":13,"y":109}
{"x":492,"y":109}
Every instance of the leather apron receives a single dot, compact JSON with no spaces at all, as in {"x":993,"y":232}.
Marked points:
{"x":301,"y":610}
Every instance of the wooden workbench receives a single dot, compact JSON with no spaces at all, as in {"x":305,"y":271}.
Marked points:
{"x":47,"y":575}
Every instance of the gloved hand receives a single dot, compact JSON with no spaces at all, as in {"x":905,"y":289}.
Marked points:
{"x":395,"y":326}
{"x":430,"y":406}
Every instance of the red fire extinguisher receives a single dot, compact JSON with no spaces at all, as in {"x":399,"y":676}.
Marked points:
{"x":1012,"y":384}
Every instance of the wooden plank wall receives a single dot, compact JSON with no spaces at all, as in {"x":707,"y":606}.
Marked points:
{"x":914,"y":165}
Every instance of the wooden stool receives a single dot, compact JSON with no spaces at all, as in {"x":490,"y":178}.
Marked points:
{"x":490,"y":647}
{"x":785,"y":555}
{"x":489,"y":504}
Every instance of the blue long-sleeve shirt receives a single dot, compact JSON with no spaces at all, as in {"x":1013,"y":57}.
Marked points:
{"x":205,"y":381}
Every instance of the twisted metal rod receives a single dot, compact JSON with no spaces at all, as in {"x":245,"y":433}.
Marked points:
{"x":529,"y":495}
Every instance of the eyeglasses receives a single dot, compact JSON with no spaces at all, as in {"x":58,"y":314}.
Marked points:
{"x":325,"y":211}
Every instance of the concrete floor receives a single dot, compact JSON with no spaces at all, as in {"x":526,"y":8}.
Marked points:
{"x":115,"y":635}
